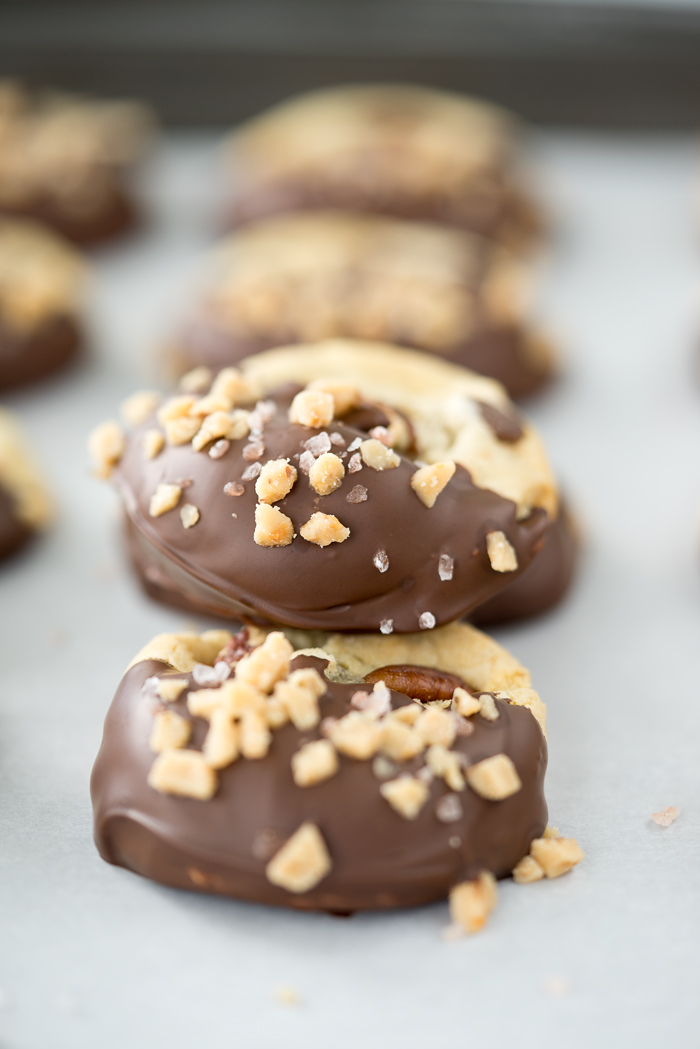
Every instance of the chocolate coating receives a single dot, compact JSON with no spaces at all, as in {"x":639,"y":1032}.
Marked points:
{"x":13,"y":532}
{"x":216,"y":568}
{"x":544,"y":583}
{"x":379,"y":859}
{"x":28,"y":356}
{"x":111,"y":214}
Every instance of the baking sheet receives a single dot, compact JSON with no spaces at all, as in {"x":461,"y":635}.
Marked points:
{"x":91,"y":955}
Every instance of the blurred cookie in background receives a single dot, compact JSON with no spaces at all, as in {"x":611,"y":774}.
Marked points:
{"x":400,"y":150}
{"x":66,"y":160}
{"x":314,"y":275}
{"x":25,"y":505}
{"x":41,"y":286}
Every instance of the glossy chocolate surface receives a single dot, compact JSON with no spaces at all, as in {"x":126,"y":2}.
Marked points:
{"x":217,"y":568}
{"x":29,"y":356}
{"x":379,"y":859}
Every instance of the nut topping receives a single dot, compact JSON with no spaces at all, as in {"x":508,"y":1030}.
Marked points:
{"x":312,"y":408}
{"x":428,"y":481}
{"x":272,"y":527}
{"x":165,"y":497}
{"x":471,"y":902}
{"x":302,"y":862}
{"x":378,"y":456}
{"x":422,"y":683}
{"x":324,"y":529}
{"x":275,"y":480}
{"x":502,"y":555}
{"x":406,"y":795}
{"x":326,"y":474}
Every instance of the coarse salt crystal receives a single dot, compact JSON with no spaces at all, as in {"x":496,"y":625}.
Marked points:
{"x":446,"y":566}
{"x":208,"y":676}
{"x":386,"y":626}
{"x":381,"y":561}
{"x":355,"y":444}
{"x":234,"y":488}
{"x":354,"y":463}
{"x":358,"y":494}
{"x":337,"y":439}
{"x":667,"y":816}
{"x":253,"y":450}
{"x":426,"y":621}
{"x":219,"y":448}
{"x":318,"y":444}
{"x":449,"y":809}
{"x":251,"y":472}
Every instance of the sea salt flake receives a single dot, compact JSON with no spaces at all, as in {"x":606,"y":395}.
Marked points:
{"x":380,"y":433}
{"x":425,"y":774}
{"x":358,"y":494}
{"x":386,"y":626}
{"x":151,"y":687}
{"x":234,"y":488}
{"x":449,"y":809}
{"x":219,"y":448}
{"x":306,"y":461}
{"x":337,"y":439}
{"x":251,"y":472}
{"x":446,"y":566}
{"x":667,"y":816}
{"x":355,"y":444}
{"x":253,"y":450}
{"x":354,"y":463}
{"x":381,"y":562}
{"x":426,"y":621}
{"x":318,"y":444}
{"x":208,"y":676}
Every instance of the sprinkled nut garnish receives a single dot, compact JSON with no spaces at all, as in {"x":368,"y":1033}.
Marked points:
{"x":527,"y":870}
{"x":429,"y":481}
{"x":446,"y":568}
{"x":358,"y":494}
{"x":664,"y":818}
{"x":299,"y":695}
{"x":170,"y":731}
{"x":381,"y":561}
{"x":175,"y":408}
{"x":446,"y":764}
{"x":487,"y":707}
{"x":267,"y":664}
{"x":406,"y":795}
{"x":323,"y":529}
{"x":276,"y":713}
{"x":213,"y":426}
{"x":255,"y":735}
{"x":471,"y":902}
{"x":426,"y":621}
{"x":314,"y":763}
{"x":219,"y":448}
{"x":408,"y":714}
{"x":357,"y":735}
{"x":165,"y":497}
{"x":556,"y":856}
{"x":494,"y":778}
{"x":196,"y":380}
{"x":502,"y":556}
{"x":231,"y":385}
{"x":171,"y":688}
{"x":449,"y":809}
{"x":398,"y":740}
{"x":464,"y":703}
{"x":106,"y":445}
{"x":189,"y":515}
{"x":152,"y":443}
{"x":326,"y":474}
{"x":183,"y":772}
{"x":275,"y":480}
{"x":354,"y":463}
{"x":345,"y":395}
{"x":239,"y":424}
{"x":378,"y":456}
{"x":209,"y":405}
{"x":139,"y":407}
{"x":318,"y":444}
{"x":272,"y":527}
{"x":234,"y":488}
{"x":181,"y":430}
{"x":386,"y":626}
{"x":312,"y":408}
{"x":251,"y":472}
{"x":302,"y":862}
{"x":436,"y":726}
{"x":550,"y":832}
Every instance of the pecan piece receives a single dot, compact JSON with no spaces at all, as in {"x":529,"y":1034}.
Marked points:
{"x":424,"y":683}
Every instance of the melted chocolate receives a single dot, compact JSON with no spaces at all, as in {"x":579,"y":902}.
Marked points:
{"x":215,"y":567}
{"x":379,"y":858}
{"x":506,"y":427}
{"x":26,"y":357}
{"x":13,"y":532}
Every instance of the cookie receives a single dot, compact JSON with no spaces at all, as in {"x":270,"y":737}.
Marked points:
{"x":65,"y":161}
{"x":297,"y":278}
{"x":25,"y":506}
{"x":41,"y":283}
{"x":297,"y":770}
{"x":395,"y":494}
{"x":399,"y":150}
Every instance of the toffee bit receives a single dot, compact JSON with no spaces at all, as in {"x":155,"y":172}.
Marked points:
{"x":381,"y":561}
{"x":234,"y":488}
{"x":355,"y":444}
{"x":446,"y":567}
{"x":189,"y":515}
{"x":251,"y":472}
{"x":449,"y":809}
{"x":337,"y":439}
{"x":210,"y":677}
{"x":253,"y":450}
{"x":318,"y":444}
{"x":219,"y":449}
{"x":386,"y":626}
{"x":426,"y":621}
{"x":383,"y":768}
{"x":354,"y":463}
{"x":357,"y":495}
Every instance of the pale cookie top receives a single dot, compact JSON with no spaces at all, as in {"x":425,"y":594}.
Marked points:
{"x":321,"y":274}
{"x":439,"y":398}
{"x":20,"y":477}
{"x":41,"y":275}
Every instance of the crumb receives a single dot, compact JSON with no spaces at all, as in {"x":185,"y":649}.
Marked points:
{"x":557,"y":986}
{"x":667,"y":816}
{"x":285,"y":994}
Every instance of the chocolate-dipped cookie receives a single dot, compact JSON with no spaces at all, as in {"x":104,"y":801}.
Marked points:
{"x":25,"y":506}
{"x":395,"y":494}
{"x":65,"y":161}
{"x":400,"y":150}
{"x":41,"y":283}
{"x":312,"y":275}
{"x":303,"y":772}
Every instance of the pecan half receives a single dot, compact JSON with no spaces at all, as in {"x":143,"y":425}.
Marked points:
{"x":423,"y":683}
